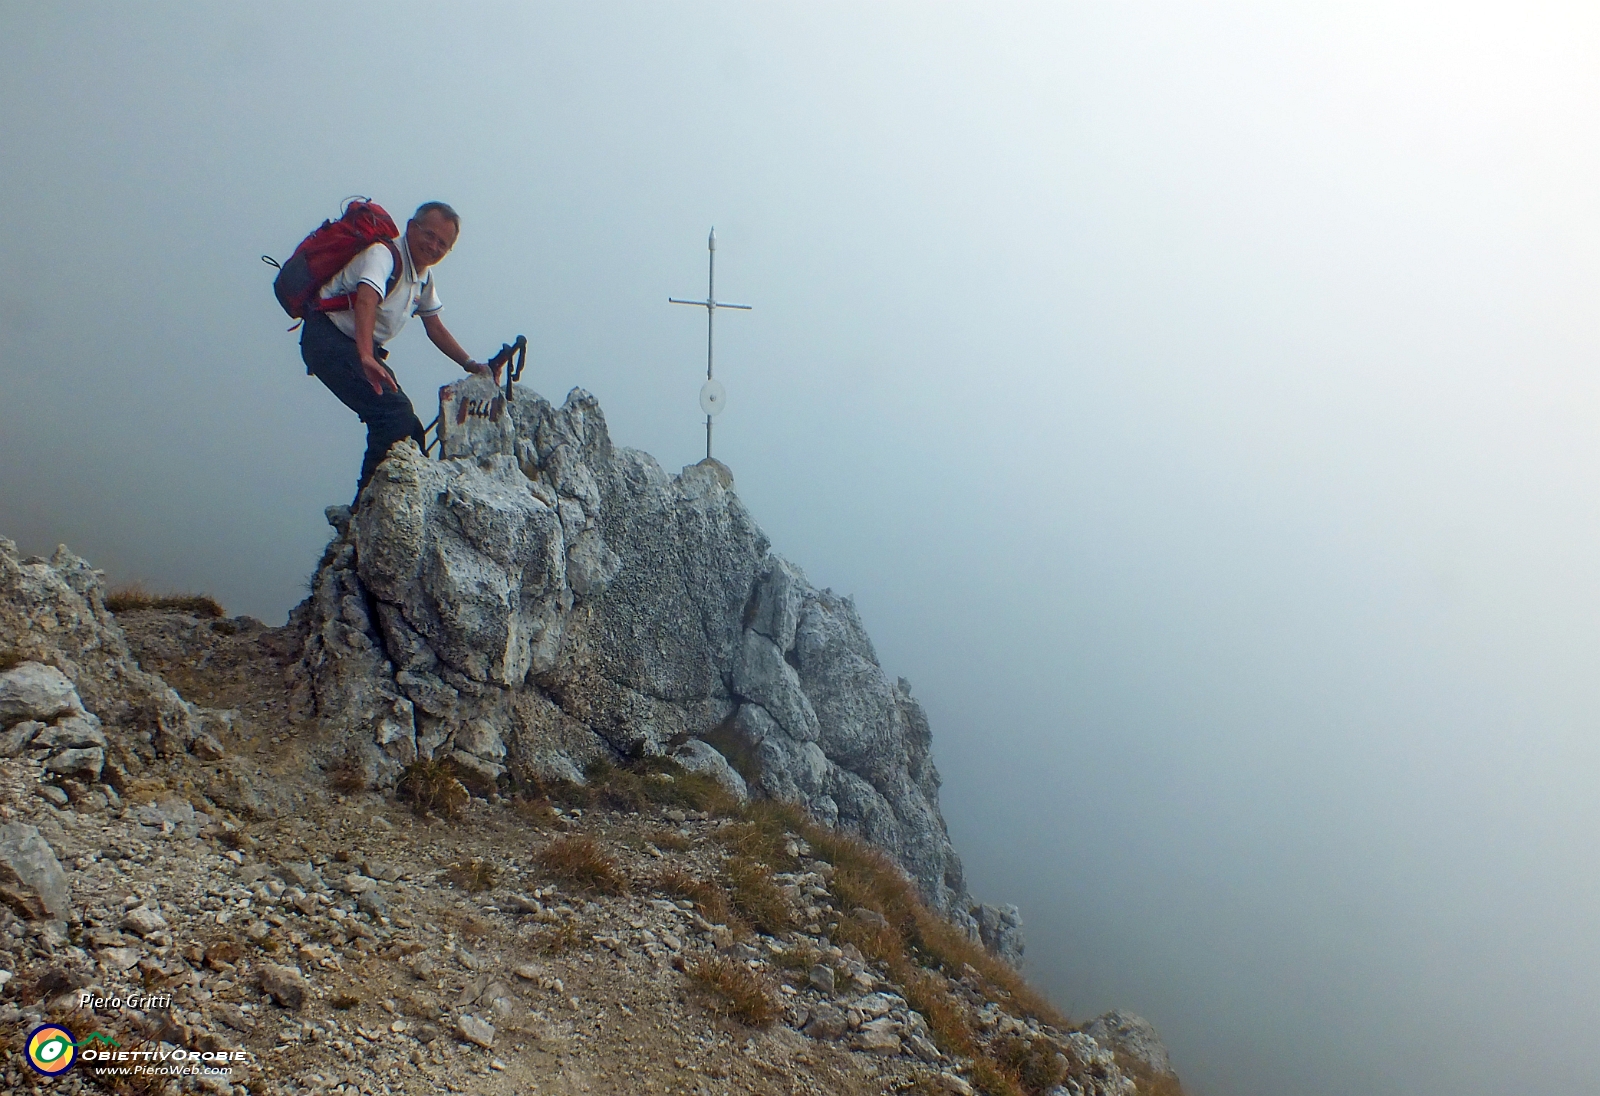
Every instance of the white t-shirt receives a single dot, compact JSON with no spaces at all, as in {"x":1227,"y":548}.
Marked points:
{"x":414,"y":294}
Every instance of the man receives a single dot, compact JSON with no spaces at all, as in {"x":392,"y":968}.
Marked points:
{"x":345,"y":349}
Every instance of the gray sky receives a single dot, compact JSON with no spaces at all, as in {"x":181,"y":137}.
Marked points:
{"x":1199,"y":401}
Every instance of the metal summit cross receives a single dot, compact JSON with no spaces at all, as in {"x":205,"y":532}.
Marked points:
{"x":712,"y":396}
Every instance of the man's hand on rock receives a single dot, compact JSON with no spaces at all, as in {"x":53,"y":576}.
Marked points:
{"x":483,"y":370}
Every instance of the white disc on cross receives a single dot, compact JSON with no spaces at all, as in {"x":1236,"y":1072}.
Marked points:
{"x":712,"y":398}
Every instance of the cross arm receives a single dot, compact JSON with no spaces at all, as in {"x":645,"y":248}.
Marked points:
{"x":711,"y":304}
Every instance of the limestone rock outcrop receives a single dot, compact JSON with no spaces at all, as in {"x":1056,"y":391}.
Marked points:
{"x":1137,"y":1046}
{"x":69,"y":674}
{"x":31,"y":880}
{"x":539,"y":599}
{"x":1000,"y":928}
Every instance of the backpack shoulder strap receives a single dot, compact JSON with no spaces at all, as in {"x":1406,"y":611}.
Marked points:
{"x":394,"y":275}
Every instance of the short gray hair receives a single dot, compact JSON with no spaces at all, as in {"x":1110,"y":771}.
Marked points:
{"x":438,"y":207}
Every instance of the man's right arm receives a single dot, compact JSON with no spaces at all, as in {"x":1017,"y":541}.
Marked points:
{"x":366,"y":310}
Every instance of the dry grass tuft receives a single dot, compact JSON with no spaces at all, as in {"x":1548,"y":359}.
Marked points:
{"x":917,"y":948}
{"x":756,"y":897}
{"x":655,"y":782}
{"x":582,"y":862}
{"x":142,"y":790}
{"x":1035,"y":1063}
{"x":238,"y":839}
{"x":671,"y":841}
{"x":929,"y":993}
{"x":709,"y":898}
{"x":867,"y":878}
{"x":742,"y":993}
{"x":432,"y":787}
{"x":637,"y":786}
{"x":557,"y":793}
{"x":346,"y":776}
{"x":800,"y":958}
{"x":219,"y":953}
{"x":766,"y":831}
{"x":537,"y":811}
{"x":474,"y":875}
{"x":127,"y":598}
{"x":950,"y":949}
{"x":558,"y":940}
{"x":1150,"y":1084}
{"x":991,"y":1079}
{"x":879,"y":943}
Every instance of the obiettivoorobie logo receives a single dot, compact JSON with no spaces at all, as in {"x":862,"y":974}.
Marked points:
{"x":51,"y":1050}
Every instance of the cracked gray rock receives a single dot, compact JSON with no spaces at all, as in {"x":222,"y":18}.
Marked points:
{"x":1134,"y":1040}
{"x":540,"y":599}
{"x":28,"y":864}
{"x":284,"y":984}
{"x":700,"y":757}
{"x":1000,"y":929}
{"x":473,"y":1030}
{"x":35,"y":691}
{"x":53,"y":614}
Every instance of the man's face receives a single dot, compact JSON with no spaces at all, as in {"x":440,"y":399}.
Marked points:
{"x":430,"y":239}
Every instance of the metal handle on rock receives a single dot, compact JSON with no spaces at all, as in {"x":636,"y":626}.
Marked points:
{"x":519,"y":350}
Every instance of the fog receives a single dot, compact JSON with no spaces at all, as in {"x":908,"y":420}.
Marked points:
{"x":1198,"y":400}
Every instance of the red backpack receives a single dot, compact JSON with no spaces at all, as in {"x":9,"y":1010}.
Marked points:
{"x":326,"y":251}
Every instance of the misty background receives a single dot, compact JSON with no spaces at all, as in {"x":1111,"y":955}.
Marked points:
{"x":1198,"y":400}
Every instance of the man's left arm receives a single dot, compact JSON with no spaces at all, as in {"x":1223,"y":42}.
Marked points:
{"x":440,"y":336}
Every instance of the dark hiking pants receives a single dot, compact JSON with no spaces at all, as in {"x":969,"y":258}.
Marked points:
{"x":330,"y":356}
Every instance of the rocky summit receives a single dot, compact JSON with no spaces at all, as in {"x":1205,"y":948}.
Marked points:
{"x":560,"y":781}
{"x":540,"y":599}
